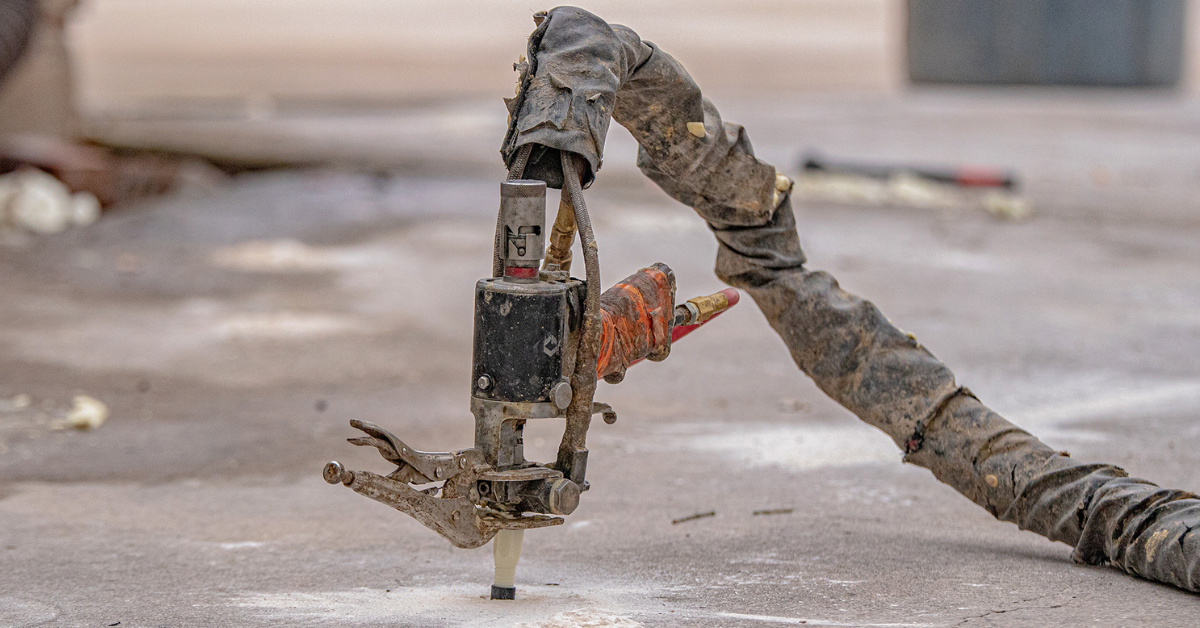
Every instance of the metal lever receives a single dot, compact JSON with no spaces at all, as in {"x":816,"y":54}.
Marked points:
{"x":429,"y":466}
{"x":457,"y":519}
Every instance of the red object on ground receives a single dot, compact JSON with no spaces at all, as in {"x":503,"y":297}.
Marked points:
{"x":982,"y":178}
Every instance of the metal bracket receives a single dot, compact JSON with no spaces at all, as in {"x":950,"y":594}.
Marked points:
{"x":415,"y":466}
{"x":606,"y":411}
{"x":457,"y":519}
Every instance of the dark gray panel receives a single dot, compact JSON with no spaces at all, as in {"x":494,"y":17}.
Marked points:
{"x":1046,"y":42}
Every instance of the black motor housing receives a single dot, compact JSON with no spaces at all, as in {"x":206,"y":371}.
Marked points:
{"x":522,"y":342}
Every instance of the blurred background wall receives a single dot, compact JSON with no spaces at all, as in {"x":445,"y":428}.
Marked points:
{"x":134,"y":55}
{"x":1114,"y":43}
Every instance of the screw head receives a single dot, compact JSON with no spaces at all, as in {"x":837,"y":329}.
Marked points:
{"x":335,"y":473}
{"x":561,"y":395}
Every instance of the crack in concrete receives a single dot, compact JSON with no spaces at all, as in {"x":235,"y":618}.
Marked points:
{"x":989,"y":613}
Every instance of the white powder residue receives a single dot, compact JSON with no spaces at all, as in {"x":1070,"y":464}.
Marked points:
{"x":454,"y":605}
{"x":797,"y":447}
{"x":583,"y":619}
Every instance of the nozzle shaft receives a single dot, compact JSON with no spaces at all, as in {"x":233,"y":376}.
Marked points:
{"x":506,"y":550}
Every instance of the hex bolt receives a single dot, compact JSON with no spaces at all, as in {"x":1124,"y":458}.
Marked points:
{"x":561,"y":496}
{"x":484,"y":382}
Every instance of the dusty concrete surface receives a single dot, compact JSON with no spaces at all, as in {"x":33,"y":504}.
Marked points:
{"x":1108,"y":155}
{"x":235,"y":336}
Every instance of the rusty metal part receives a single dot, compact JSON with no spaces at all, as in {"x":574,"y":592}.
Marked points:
{"x":453,"y":514}
{"x":531,"y":489}
{"x":458,"y":520}
{"x":606,"y":411}
{"x":335,"y":473}
{"x":499,"y":426}
{"x":562,"y":235}
{"x":454,"y":519}
{"x":636,"y":314}
{"x":527,"y":474}
{"x":572,"y":451}
{"x":560,"y":496}
{"x":427,"y":465}
{"x":493,"y":522}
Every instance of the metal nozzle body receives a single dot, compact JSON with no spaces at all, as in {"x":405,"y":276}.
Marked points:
{"x":522,"y":227}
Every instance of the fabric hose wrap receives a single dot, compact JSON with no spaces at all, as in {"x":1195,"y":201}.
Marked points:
{"x":581,"y":70}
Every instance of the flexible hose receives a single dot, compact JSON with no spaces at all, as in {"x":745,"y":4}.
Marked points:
{"x":515,"y":171}
{"x":583,"y":380}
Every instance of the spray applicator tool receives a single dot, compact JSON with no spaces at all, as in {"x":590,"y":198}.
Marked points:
{"x":541,"y":340}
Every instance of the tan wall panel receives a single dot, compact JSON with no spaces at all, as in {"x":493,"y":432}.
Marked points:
{"x":138,"y":53}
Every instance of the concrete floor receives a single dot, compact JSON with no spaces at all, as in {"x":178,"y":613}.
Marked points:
{"x":234,"y":336}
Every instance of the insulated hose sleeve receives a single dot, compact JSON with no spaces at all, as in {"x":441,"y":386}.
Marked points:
{"x":581,"y":70}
